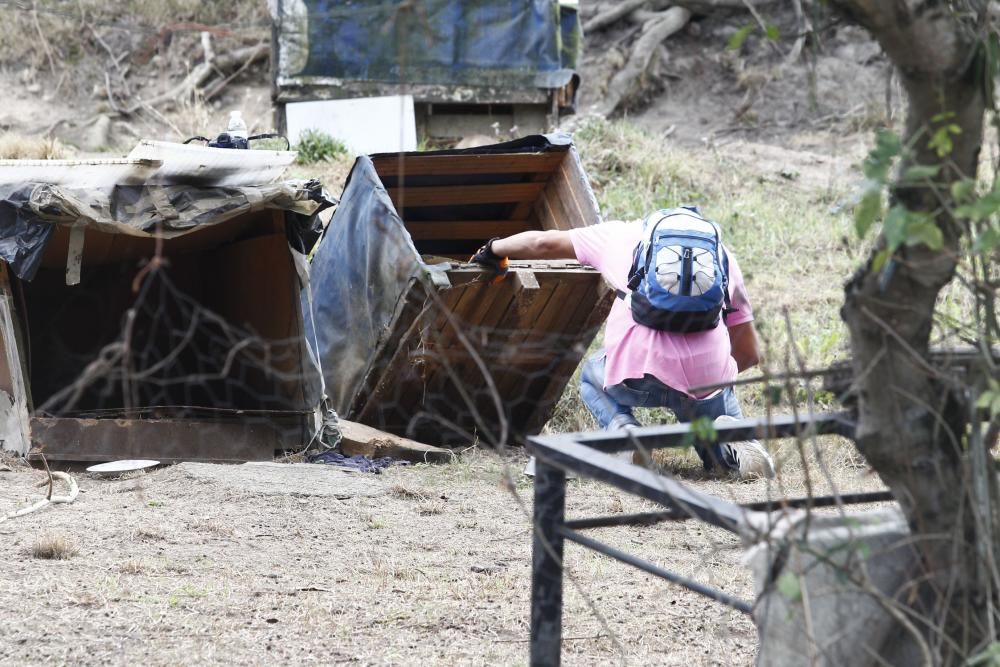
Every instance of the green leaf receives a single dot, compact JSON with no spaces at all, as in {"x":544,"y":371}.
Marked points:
{"x":990,"y":656}
{"x":789,"y":587}
{"x":773,"y":32}
{"x":867,"y":211}
{"x":984,"y":400}
{"x":772,"y":394}
{"x":982,"y":208}
{"x":894,"y":226}
{"x":740,"y":37}
{"x":988,"y":240}
{"x":880,"y":259}
{"x":703,"y":429}
{"x":962,"y":191}
{"x":924,"y":232}
{"x":941,"y":141}
{"x":920,"y":172}
{"x":879,"y":161}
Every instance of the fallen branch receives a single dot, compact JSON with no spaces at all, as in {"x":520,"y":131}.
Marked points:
{"x":805,"y":30}
{"x":201,"y":74}
{"x":622,"y":86}
{"x":604,"y":19}
{"x":704,"y":6}
{"x":217,"y":88}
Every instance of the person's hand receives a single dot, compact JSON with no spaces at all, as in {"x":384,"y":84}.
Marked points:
{"x":490,"y":261}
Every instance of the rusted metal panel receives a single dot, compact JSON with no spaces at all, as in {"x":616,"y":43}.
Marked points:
{"x":253,"y":438}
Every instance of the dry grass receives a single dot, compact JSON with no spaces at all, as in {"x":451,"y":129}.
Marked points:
{"x":437,"y":570}
{"x":18,"y":147}
{"x":377,"y":581}
{"x":54,"y":547}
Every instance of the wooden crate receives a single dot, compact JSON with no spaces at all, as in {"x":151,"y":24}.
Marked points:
{"x":462,"y":358}
{"x":240,"y":270}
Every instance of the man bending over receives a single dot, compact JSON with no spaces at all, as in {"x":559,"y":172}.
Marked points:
{"x":695,"y":324}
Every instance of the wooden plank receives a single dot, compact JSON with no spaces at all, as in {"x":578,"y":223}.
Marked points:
{"x":505,"y":319}
{"x":396,"y":387}
{"x":524,"y":209}
{"x":543,"y":269}
{"x":587,"y":321}
{"x":583,"y":194}
{"x":461,"y":165}
{"x":465,"y":229}
{"x":517,"y":347}
{"x":568,"y":202}
{"x":14,"y":418}
{"x":545,"y":214}
{"x":560,"y":216}
{"x":403,"y":325}
{"x":168,"y":440}
{"x":463,"y":195}
{"x":564,"y":189}
{"x":359,"y":439}
{"x":566,"y":343}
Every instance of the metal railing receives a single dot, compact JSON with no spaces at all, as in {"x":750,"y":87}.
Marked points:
{"x":589,"y":455}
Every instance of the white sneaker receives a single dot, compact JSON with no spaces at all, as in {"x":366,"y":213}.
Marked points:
{"x":529,"y":470}
{"x":752,"y":460}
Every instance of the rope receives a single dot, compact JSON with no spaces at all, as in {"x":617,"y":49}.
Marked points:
{"x":74,"y":490}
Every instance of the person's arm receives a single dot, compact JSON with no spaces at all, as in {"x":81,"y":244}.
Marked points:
{"x":550,"y":244}
{"x":745,"y":345}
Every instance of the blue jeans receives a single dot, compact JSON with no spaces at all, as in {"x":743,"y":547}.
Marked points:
{"x":613,"y":406}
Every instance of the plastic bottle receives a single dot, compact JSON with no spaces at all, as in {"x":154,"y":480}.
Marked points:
{"x":237,"y":127}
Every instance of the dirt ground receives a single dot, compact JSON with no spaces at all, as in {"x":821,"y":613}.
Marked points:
{"x":422,"y":564}
{"x":200,"y":564}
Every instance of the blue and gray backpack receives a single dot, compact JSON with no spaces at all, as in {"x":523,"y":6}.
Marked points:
{"x":679,"y":281}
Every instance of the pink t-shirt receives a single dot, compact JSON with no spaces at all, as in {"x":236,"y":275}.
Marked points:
{"x":680,"y":361}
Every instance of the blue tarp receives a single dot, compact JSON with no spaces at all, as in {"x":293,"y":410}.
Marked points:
{"x":508,"y":43}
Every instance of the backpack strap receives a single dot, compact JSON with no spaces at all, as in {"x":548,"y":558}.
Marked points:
{"x":727,"y":304}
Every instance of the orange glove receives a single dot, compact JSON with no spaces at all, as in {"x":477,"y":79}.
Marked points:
{"x":490,"y":261}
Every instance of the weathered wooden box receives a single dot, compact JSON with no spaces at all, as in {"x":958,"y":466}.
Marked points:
{"x":154,"y":322}
{"x":411,"y":338}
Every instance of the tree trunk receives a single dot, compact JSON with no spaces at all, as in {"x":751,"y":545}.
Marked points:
{"x":912,"y":424}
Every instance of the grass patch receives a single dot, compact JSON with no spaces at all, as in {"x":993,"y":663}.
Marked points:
{"x":316,"y":146}
{"x":53,"y":547}
{"x":18,"y":147}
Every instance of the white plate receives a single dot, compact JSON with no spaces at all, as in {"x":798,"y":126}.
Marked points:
{"x":118,"y":467}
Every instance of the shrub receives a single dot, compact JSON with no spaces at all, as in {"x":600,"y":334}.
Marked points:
{"x":318,"y":146}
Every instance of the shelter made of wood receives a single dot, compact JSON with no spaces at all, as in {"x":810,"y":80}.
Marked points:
{"x":156,"y":320}
{"x":412,"y":338}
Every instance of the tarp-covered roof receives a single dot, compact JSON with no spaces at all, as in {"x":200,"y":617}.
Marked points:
{"x":498,"y":43}
{"x":30,"y":211}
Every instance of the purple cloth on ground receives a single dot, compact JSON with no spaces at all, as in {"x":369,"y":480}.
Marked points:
{"x":357,"y":462}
